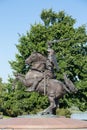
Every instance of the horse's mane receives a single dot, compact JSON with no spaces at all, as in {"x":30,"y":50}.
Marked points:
{"x":41,"y":56}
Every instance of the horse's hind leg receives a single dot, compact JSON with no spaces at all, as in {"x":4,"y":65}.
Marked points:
{"x":52,"y":107}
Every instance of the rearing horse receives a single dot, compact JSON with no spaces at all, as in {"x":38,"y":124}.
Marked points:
{"x":54,"y":89}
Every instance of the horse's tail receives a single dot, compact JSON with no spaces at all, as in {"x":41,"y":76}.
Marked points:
{"x":68,"y":82}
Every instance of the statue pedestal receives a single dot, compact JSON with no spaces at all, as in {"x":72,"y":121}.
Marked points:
{"x":42,"y":124}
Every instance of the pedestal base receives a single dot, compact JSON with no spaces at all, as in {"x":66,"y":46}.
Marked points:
{"x":42,"y":124}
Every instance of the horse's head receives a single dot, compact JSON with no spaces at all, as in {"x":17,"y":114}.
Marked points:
{"x":35,"y":57}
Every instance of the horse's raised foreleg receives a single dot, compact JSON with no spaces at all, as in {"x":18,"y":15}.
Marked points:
{"x":18,"y":74}
{"x":22,"y":79}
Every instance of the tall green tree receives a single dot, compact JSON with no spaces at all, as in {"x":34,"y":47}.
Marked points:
{"x":71,"y":55}
{"x":2,"y":92}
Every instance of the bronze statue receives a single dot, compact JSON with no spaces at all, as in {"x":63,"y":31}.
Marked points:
{"x":40,"y":78}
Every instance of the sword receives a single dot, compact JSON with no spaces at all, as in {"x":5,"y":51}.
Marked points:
{"x":56,"y":41}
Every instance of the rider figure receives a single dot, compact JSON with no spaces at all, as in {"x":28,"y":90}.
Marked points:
{"x":51,"y":62}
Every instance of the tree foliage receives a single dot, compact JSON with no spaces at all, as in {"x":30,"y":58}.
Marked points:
{"x":21,"y":103}
{"x":71,"y":55}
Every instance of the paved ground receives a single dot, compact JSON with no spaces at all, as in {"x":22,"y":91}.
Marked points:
{"x":45,"y":123}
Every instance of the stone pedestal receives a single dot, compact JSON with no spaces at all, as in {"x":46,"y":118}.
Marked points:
{"x":60,"y":123}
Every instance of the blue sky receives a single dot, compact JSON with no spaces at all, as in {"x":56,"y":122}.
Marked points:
{"x":16,"y":16}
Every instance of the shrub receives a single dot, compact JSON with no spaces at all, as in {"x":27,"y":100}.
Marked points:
{"x":63,"y":112}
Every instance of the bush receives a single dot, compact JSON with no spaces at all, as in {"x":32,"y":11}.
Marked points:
{"x":20,"y":103}
{"x":1,"y":115}
{"x":63,"y":112}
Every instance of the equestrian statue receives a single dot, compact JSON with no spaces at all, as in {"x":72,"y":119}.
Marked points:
{"x":41,"y":78}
